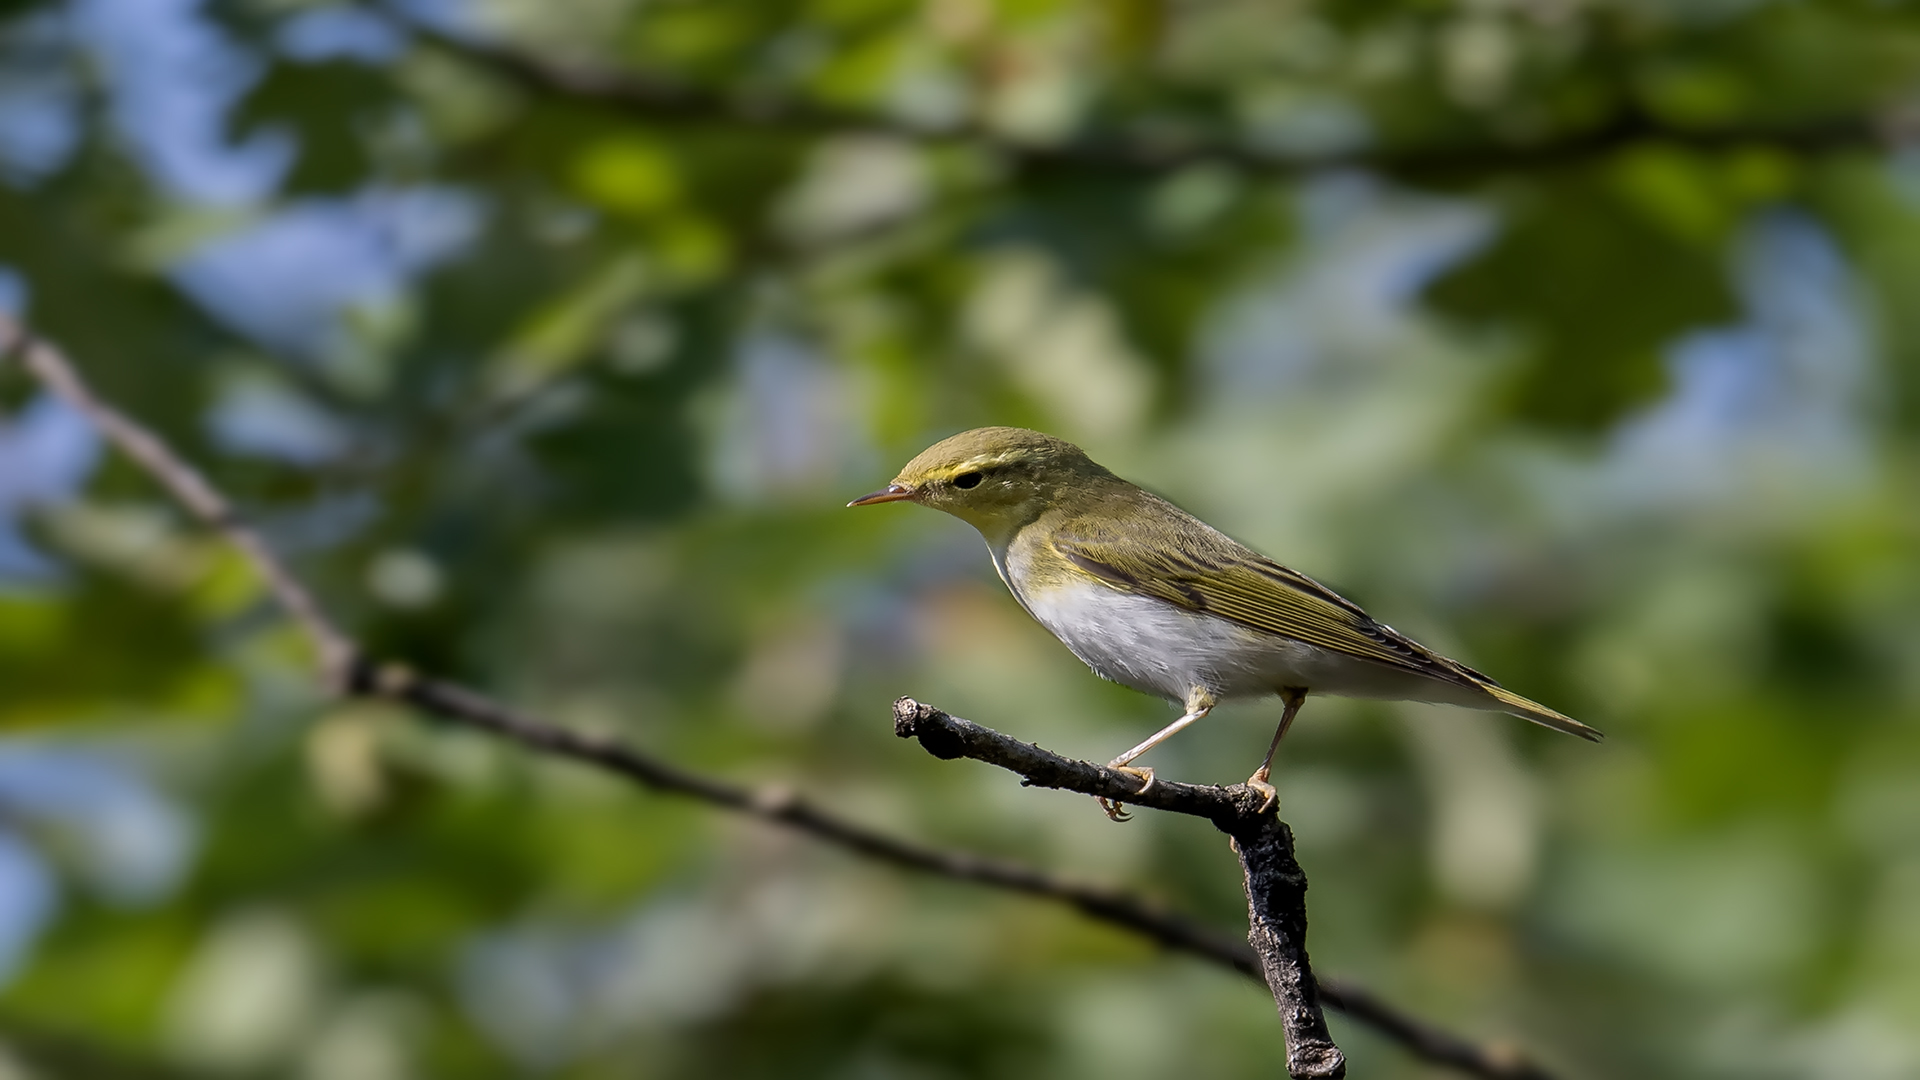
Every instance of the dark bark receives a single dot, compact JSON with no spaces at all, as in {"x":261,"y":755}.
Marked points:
{"x":1276,"y":887}
{"x":1277,"y":930}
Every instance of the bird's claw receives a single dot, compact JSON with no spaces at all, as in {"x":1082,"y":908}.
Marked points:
{"x":1258,"y":782}
{"x":1114,"y":810}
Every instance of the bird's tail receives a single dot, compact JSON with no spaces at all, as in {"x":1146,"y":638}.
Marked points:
{"x":1540,"y":714}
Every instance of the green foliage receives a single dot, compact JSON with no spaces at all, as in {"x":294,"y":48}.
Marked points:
{"x":1575,"y":340}
{"x":1562,"y":264}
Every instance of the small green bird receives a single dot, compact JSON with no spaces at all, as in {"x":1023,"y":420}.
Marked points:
{"x":1151,"y":597}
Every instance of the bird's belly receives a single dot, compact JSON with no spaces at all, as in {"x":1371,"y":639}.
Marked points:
{"x":1156,"y":647}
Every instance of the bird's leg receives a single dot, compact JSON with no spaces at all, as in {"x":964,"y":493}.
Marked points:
{"x":1199,"y":704}
{"x":1294,"y":696}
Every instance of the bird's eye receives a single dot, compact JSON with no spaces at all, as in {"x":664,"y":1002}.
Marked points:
{"x":967,"y":480}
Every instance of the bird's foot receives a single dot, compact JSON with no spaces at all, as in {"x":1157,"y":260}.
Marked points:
{"x":1258,"y":782}
{"x":1114,"y":810}
{"x":1143,"y":772}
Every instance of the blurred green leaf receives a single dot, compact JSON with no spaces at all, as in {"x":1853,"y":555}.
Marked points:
{"x":1597,"y":276}
{"x":692,"y":275}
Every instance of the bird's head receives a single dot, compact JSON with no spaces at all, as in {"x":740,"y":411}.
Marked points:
{"x":995,"y":479}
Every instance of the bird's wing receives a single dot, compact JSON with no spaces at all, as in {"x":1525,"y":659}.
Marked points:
{"x":1219,"y":577}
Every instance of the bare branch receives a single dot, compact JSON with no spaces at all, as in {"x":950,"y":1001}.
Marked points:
{"x":658,"y":102}
{"x":349,"y":672}
{"x":1276,"y":886}
{"x":333,"y":650}
{"x":1232,"y":810}
{"x":946,"y":736}
{"x":1277,"y":928}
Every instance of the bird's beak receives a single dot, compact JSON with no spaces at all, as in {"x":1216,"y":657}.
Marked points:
{"x":890,"y":493}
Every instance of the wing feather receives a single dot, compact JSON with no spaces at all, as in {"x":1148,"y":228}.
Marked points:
{"x":1233,"y":582}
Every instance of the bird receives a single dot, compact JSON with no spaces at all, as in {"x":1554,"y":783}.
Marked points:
{"x":1153,"y":598}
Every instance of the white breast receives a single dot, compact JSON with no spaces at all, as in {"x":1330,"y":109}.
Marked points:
{"x":1153,"y":646}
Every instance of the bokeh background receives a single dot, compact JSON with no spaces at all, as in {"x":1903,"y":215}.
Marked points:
{"x":1578,"y":338}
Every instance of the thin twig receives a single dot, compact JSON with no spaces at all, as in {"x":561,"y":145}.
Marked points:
{"x":658,"y":102}
{"x":947,"y":737}
{"x":1276,"y":886}
{"x":333,"y":650}
{"x":350,"y":673}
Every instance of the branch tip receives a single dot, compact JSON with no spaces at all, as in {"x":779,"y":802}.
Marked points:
{"x":937,"y":731}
